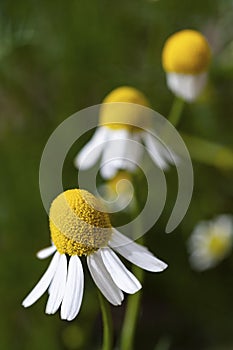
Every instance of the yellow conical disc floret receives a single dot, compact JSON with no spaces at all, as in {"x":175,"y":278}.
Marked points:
{"x":122,"y":106}
{"x":78,"y":223}
{"x":186,"y":52}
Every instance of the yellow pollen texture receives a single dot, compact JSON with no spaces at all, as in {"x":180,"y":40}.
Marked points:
{"x":120,"y":106}
{"x":78,"y":223}
{"x":186,"y":52}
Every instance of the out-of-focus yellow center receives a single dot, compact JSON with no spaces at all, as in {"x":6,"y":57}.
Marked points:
{"x":218,"y":245}
{"x":122,"y":106}
{"x":186,"y":52}
{"x":78,"y":223}
{"x":112,"y":183}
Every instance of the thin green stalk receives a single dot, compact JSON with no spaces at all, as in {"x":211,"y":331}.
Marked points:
{"x":209,"y":152}
{"x":176,"y":111}
{"x":131,"y":315}
{"x":133,"y":305}
{"x":107,"y":323}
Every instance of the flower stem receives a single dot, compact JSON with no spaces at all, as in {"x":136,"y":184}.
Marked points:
{"x":133,"y":303}
{"x":176,"y":111}
{"x":107,"y":323}
{"x":208,"y":152}
{"x":131,"y":315}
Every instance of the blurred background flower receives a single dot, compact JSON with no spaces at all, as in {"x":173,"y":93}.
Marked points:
{"x":186,"y":57}
{"x":123,"y":126}
{"x":210,"y":242}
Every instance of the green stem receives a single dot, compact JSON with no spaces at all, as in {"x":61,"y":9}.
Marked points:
{"x":107,"y":323}
{"x":209,"y":152}
{"x":133,"y":305}
{"x":176,"y":111}
{"x":131,"y":315}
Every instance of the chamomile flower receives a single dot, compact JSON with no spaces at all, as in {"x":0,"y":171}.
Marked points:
{"x":80,"y":228}
{"x":118,"y":192}
{"x":121,"y":122}
{"x":210,"y":242}
{"x":185,"y":58}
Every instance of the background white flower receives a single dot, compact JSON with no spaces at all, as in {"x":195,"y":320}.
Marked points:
{"x":210,"y":242}
{"x":117,"y":144}
{"x":186,"y":57}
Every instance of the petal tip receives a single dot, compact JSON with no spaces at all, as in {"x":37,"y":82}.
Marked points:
{"x":163,"y":266}
{"x":24,"y":304}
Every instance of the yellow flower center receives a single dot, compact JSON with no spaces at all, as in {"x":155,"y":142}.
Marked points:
{"x":78,"y":223}
{"x":186,"y":52}
{"x":126,"y":115}
{"x":218,"y":245}
{"x":113,"y":182}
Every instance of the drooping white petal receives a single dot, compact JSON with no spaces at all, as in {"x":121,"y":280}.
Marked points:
{"x":57,"y":287}
{"x":46,"y":252}
{"x":108,"y":171}
{"x":224,"y":224}
{"x":156,"y":150}
{"x":118,"y":239}
{"x":91,"y":152}
{"x":202,"y":261}
{"x":44,"y":282}
{"x":136,"y":253}
{"x":186,"y":86}
{"x":74,"y":290}
{"x":103,"y":280}
{"x":114,"y":155}
{"x":134,"y":151}
{"x":120,"y":138}
{"x":123,"y":278}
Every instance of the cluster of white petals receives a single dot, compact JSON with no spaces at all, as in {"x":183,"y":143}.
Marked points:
{"x":64,"y":279}
{"x":119,"y":149}
{"x":210,"y":242}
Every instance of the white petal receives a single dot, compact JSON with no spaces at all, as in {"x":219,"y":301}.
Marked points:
{"x":120,"y":138}
{"x":114,"y":155}
{"x":118,"y":239}
{"x":201,"y":262}
{"x":156,"y":150}
{"x":46,"y":252}
{"x":108,"y":171}
{"x":123,"y":278}
{"x":103,"y":280}
{"x":134,"y":151}
{"x":136,"y":253}
{"x":57,"y":287}
{"x":74,"y":290}
{"x":186,"y":86}
{"x":44,"y":282}
{"x":144,"y":260}
{"x":223,"y":224}
{"x":91,"y":152}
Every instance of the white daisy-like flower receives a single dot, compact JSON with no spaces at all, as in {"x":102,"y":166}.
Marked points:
{"x":210,"y":242}
{"x":79,"y":227}
{"x":123,"y":155}
{"x":185,"y":58}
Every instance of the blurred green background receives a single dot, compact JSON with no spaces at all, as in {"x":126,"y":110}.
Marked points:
{"x":57,"y":57}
